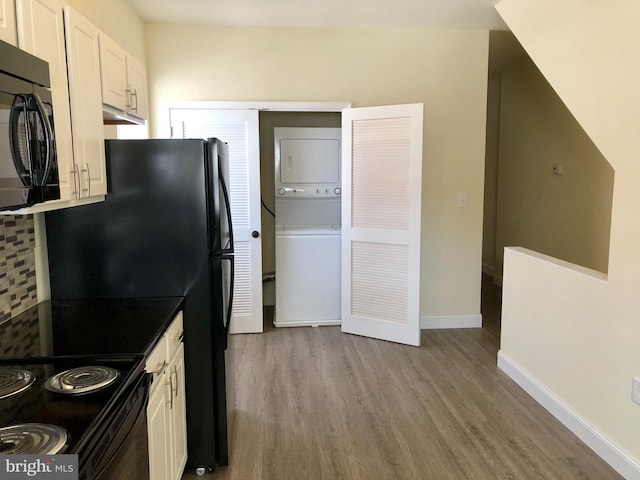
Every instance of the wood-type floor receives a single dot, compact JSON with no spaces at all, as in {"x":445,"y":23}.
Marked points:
{"x":313,"y":403}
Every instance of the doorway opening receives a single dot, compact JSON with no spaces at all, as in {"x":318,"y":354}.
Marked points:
{"x":269,"y":120}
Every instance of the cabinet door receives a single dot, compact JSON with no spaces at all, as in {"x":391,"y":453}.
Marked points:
{"x":137,"y":79}
{"x":178,"y":414}
{"x":41,"y":33}
{"x":158,"y":429}
{"x":113,"y":67}
{"x":85,"y":91}
{"x":8,"y":21}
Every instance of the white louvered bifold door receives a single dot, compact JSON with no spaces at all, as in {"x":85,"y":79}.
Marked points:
{"x":382,"y":181}
{"x":239,"y":128}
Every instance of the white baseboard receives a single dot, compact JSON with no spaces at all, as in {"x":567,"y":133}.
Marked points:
{"x":619,"y":460}
{"x":315,"y":323}
{"x":433,"y":322}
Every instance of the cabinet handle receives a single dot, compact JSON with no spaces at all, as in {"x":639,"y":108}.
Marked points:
{"x":88,"y":178}
{"x":179,"y":337}
{"x":134,"y":95}
{"x":79,"y":178}
{"x":170,"y":383}
{"x":161,"y":367}
{"x":88,"y":189}
{"x":175,"y":372}
{"x":76,"y":187}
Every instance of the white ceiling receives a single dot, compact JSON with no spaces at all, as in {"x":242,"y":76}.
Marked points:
{"x":324,"y":13}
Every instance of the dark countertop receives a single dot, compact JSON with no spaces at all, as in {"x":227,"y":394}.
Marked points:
{"x":59,"y":328}
{"x":56,"y":335}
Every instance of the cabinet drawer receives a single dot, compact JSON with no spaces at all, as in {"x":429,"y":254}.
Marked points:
{"x":174,"y":335}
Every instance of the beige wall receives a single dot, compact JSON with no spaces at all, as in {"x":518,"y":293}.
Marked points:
{"x":566,"y":216}
{"x":444,"y":69}
{"x":575,"y":333}
{"x":117,"y":20}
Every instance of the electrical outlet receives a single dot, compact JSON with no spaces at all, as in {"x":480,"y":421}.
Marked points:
{"x":635,"y":390}
{"x":558,"y":168}
{"x":462,"y":200}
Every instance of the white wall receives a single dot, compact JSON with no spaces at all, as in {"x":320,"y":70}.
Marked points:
{"x":444,"y":69}
{"x":576,"y":335}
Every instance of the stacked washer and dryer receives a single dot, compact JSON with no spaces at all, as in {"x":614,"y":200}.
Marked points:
{"x":308,"y":201}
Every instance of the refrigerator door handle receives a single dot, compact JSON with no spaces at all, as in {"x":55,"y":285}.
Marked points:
{"x":227,"y":206}
{"x":227,"y":325}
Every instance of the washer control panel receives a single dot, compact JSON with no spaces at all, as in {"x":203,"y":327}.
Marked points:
{"x":320,"y":191}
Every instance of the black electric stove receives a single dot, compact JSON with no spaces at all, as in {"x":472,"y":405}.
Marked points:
{"x":71,"y":370}
{"x":55,"y":393}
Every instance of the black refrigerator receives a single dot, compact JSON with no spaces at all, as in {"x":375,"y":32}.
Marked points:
{"x":163,"y":230}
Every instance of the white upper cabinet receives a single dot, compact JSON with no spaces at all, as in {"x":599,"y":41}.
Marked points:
{"x":86,"y":69}
{"x":137,"y":78}
{"x":8,"y":21}
{"x":113,"y":67}
{"x":124,"y":83}
{"x":85,"y":91}
{"x":41,"y":33}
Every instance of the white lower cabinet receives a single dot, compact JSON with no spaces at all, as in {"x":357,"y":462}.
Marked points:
{"x":178,"y":413}
{"x":166,"y":411}
{"x":159,"y":435}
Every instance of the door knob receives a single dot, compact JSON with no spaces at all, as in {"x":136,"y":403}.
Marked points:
{"x":255,"y":234}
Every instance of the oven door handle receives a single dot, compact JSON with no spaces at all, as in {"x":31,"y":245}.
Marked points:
{"x":139,"y":416}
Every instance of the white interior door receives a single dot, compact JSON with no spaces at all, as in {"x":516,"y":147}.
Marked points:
{"x":239,"y":128}
{"x":382,"y":182}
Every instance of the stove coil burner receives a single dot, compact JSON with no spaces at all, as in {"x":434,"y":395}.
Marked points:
{"x":33,"y":439}
{"x":78,"y":381}
{"x":14,"y":381}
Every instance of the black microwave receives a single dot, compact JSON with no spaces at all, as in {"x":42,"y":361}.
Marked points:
{"x":28,"y":160}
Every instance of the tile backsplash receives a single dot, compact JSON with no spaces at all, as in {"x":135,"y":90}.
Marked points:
{"x":17,"y":265}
